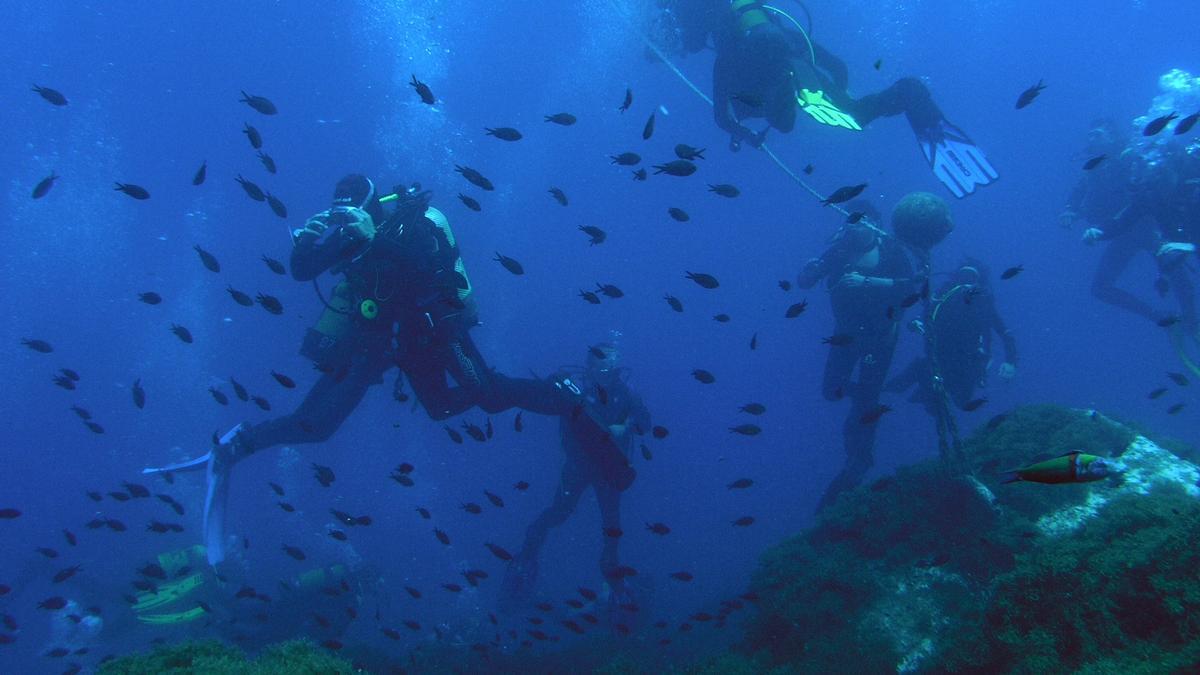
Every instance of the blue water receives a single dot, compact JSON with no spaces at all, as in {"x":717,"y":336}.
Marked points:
{"x":153,"y":90}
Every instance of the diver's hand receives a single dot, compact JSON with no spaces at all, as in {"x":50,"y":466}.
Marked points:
{"x":358,"y":225}
{"x":1007,"y":371}
{"x":316,"y":225}
{"x":1092,"y":235}
{"x":852,"y":280}
{"x":1067,"y":218}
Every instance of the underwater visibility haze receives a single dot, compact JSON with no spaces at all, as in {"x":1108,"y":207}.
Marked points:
{"x":616,"y":335}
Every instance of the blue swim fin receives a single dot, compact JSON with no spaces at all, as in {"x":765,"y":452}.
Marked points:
{"x":954,"y":158}
{"x":217,"y":465}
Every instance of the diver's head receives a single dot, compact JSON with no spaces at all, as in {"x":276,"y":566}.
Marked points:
{"x":602,"y":362}
{"x":357,"y":191}
{"x":966,"y":274}
{"x":1102,"y":136}
{"x":922,"y":220}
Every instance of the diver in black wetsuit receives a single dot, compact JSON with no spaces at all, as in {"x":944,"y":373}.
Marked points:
{"x":958,"y":326}
{"x":405,"y":302}
{"x":872,"y":276}
{"x":1161,"y":216}
{"x":610,"y":401}
{"x":767,"y":67}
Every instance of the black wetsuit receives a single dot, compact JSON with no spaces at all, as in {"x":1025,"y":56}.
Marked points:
{"x":758,"y":73}
{"x":585,"y":464}
{"x":422,"y":326}
{"x":1164,"y":209}
{"x":869,"y":317}
{"x":959,"y":324}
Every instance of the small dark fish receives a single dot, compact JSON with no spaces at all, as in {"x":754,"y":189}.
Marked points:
{"x":753,"y":408}
{"x":83,"y":414}
{"x":70,"y":537}
{"x":562,"y":118}
{"x":660,"y":529}
{"x":239,"y":297}
{"x":136,"y":491}
{"x":52,"y":603}
{"x":294,"y":552}
{"x":746,"y":429}
{"x":648,"y":130}
{"x":678,"y":167}
{"x":48,"y":552}
{"x":1094,"y":162}
{"x":69,"y":374}
{"x":1185,"y":125}
{"x":208,"y":259}
{"x":332,"y":645}
{"x":94,"y":428}
{"x":509,"y":264}
{"x":744,"y":521}
{"x":1168,"y":321}
{"x":423,"y":91}
{"x":872,"y":416}
{"x":135,"y":191}
{"x":674,"y":302}
{"x":684,"y":151}
{"x":499,"y":552}
{"x":270,"y":303}
{"x":626,"y":159}
{"x":844,"y":194}
{"x":725,"y":190}
{"x":1175,"y":409}
{"x":740,"y":484}
{"x":721,"y":318}
{"x":1012,"y":272}
{"x":218,"y":396}
{"x":182,"y":333}
{"x":1178,"y":378}
{"x":609,"y":290}
{"x":261,"y":402}
{"x":504,"y":133}
{"x":1029,"y":94}
{"x":974,"y":404}
{"x":659,"y":432}
{"x":277,"y":206}
{"x":403,"y":479}
{"x":628,"y":100}
{"x":44,"y":185}
{"x":808,"y":169}
{"x":595,"y":234}
{"x":53,"y":96}
{"x":679,"y":215}
{"x":878,"y":64}
{"x":1158,"y":124}
{"x":119,"y":496}
{"x":252,"y":190}
{"x":838,"y":340}
{"x":703,"y":376}
{"x":474,"y":432}
{"x":589,"y":296}
{"x":559,"y":195}
{"x":283,"y":380}
{"x":1157,"y":393}
{"x":704,"y":280}
{"x":521,"y":486}
{"x":796,"y":309}
{"x":323,"y":474}
{"x":646,"y":454}
{"x":150,"y":298}
{"x":754,"y":342}
{"x":253,"y":136}
{"x":472,"y":508}
{"x":494,"y":499}
{"x":201,"y":173}
{"x":454,"y":435}
{"x":40,"y":346}
{"x":640,"y":174}
{"x":469,"y":202}
{"x":239,"y":390}
{"x":442,"y":536}
{"x":259,"y":103}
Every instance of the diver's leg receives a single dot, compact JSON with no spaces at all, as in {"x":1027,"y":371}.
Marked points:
{"x":609,"y":500}
{"x":522,"y":572}
{"x":427,"y":372}
{"x":835,"y":383}
{"x":908,"y":95}
{"x":1113,"y":261}
{"x":327,"y":405}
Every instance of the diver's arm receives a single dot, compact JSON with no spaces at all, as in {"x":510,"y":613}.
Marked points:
{"x":319,"y":246}
{"x":1006,"y":335}
{"x":723,"y":107}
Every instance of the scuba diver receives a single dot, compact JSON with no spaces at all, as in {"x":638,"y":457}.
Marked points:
{"x":405,"y":302}
{"x":958,"y":325}
{"x":1161,"y":216}
{"x":872,"y":277}
{"x":609,"y":400}
{"x":767,"y":66}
